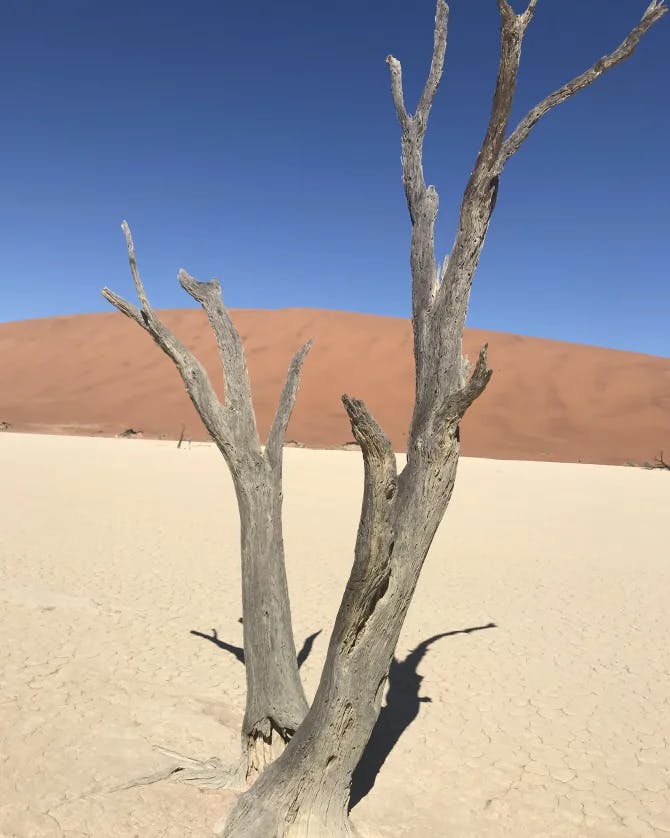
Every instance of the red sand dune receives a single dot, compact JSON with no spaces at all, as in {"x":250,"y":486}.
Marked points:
{"x":100,"y":374}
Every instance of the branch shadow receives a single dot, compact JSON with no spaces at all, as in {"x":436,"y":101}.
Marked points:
{"x":403,"y":704}
{"x":306,"y":650}
{"x":238,"y":652}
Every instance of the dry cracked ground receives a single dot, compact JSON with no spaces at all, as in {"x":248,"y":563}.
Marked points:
{"x":550,"y":718}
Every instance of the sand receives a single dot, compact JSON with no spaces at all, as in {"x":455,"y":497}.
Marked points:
{"x":100,"y":374}
{"x":553,"y":721}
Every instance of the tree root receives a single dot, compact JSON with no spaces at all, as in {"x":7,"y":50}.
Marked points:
{"x":211,"y":773}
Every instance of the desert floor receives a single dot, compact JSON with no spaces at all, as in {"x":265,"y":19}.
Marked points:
{"x":531,"y":696}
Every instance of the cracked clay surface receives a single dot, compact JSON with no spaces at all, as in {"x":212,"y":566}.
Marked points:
{"x":555,"y":721}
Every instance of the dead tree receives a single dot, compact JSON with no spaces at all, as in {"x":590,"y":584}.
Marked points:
{"x":276,"y":703}
{"x":306,"y":791}
{"x":659,"y":462}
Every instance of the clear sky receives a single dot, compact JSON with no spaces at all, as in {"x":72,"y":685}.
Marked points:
{"x":257,"y":142}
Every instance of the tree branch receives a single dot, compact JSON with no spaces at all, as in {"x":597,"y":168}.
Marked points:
{"x":395,"y":69}
{"x":653,"y":13}
{"x":528,"y":15}
{"x":273,"y":448}
{"x":511,"y":36}
{"x":414,"y":125}
{"x":237,"y":401}
{"x":451,"y":295}
{"x":134,"y":270}
{"x":481,"y":192}
{"x":436,"y":64}
{"x":374,"y":443}
{"x":194,"y":375}
{"x":458,"y":402}
{"x":131,"y":311}
{"x":422,"y":201}
{"x":506,"y":12}
{"x":374,"y":543}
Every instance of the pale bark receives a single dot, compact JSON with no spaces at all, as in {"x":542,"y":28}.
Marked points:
{"x":305,"y":793}
{"x":276,"y":703}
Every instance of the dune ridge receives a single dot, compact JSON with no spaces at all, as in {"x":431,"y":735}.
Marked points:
{"x":98,"y":374}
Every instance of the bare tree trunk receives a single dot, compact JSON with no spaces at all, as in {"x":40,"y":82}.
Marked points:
{"x":276,"y":703}
{"x":305,"y":793}
{"x":308,"y":795}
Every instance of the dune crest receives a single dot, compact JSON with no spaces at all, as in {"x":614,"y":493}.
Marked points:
{"x":98,"y":374}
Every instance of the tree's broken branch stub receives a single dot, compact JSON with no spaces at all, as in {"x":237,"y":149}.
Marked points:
{"x":458,"y":402}
{"x":396,"y":89}
{"x":374,"y":546}
{"x":374,"y":443}
{"x":371,"y":570}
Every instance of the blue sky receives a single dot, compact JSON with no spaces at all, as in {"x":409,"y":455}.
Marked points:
{"x":257,"y":142}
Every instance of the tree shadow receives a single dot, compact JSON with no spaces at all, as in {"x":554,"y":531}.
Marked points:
{"x":306,"y":650}
{"x":238,"y":652}
{"x":403,"y":703}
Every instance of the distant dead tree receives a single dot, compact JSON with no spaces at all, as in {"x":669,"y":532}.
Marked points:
{"x":659,"y":462}
{"x":305,"y":792}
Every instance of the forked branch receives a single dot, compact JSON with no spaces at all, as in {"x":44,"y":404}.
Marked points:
{"x":481,"y":192}
{"x":626,"y":48}
{"x":420,"y":117}
{"x":196,"y":380}
{"x":232,"y":422}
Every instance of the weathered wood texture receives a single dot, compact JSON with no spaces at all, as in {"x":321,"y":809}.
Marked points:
{"x":276,"y":703}
{"x":305,"y":793}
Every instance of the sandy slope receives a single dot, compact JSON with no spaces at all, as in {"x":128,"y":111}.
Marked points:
{"x":554,"y":722}
{"x":548,"y":401}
